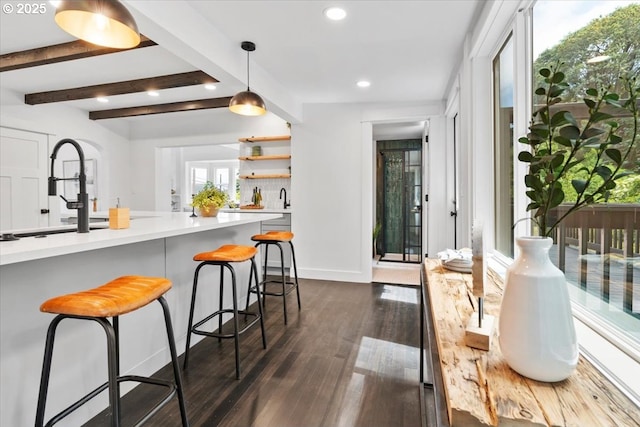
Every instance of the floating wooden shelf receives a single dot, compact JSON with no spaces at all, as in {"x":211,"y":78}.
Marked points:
{"x":275,"y":175}
{"x":272,"y":157}
{"x":266,"y":138}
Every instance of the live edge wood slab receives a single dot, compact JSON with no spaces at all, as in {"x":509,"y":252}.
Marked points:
{"x":481,"y":390}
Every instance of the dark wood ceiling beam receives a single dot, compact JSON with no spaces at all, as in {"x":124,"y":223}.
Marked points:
{"x":119,"y":88}
{"x":58,"y":53}
{"x":171,"y":107}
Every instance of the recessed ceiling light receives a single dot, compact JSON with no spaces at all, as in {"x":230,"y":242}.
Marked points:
{"x":55,"y":3}
{"x":210,"y":86}
{"x":363,"y":83}
{"x":102,"y":99}
{"x":153,"y":93}
{"x":335,"y":13}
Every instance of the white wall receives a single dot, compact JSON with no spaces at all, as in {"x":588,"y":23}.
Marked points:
{"x":332,"y":185}
{"x":327,"y":163}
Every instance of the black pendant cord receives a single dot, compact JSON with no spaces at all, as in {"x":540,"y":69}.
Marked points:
{"x":248,"y":89}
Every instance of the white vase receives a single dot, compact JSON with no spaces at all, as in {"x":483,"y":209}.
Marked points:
{"x":537,"y":334}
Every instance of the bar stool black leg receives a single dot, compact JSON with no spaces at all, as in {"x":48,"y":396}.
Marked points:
{"x":112,"y":383}
{"x":264,"y":274}
{"x":295,"y":270}
{"x":113,"y":360}
{"x":254,"y":272}
{"x":220,"y":305}
{"x":193,"y":304}
{"x":46,"y":369}
{"x":236,"y":326}
{"x":284,"y":281}
{"x":174,"y":361}
{"x":116,"y":331}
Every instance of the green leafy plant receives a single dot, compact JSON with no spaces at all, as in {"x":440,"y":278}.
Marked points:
{"x":210,"y":195}
{"x":376,"y":230}
{"x":558,"y":146}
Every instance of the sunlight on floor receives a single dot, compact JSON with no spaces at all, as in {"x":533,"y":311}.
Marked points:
{"x":395,"y":273}
{"x":399,"y":293}
{"x":387,"y":359}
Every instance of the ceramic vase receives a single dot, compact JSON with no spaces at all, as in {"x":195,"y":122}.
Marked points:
{"x":537,"y":333}
{"x":208,"y":211}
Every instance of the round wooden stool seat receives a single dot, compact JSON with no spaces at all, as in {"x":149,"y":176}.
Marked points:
{"x":273,"y":236}
{"x":119,"y":296}
{"x":228,"y":253}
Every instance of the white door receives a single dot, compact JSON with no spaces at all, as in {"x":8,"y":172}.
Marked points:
{"x":23,"y":179}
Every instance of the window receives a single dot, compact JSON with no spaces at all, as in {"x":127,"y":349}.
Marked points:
{"x":223,"y":174}
{"x":598,"y":247}
{"x":601,"y":262}
{"x":199,"y":177}
{"x":503,"y":87}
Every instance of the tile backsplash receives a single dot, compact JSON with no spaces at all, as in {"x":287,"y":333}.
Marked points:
{"x":270,"y":190}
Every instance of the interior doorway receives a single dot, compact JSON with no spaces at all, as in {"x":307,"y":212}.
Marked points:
{"x":399,"y":200}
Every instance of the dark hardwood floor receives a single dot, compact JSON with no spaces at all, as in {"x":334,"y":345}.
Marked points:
{"x":350,"y":357}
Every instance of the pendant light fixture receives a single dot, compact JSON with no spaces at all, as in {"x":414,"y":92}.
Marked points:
{"x":247,"y":103}
{"x":103,"y":22}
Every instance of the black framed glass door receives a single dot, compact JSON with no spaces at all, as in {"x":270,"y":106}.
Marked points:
{"x":400,"y":201}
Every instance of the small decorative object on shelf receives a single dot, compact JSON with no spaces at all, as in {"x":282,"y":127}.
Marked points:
{"x":479,"y":332}
{"x":457,"y":260}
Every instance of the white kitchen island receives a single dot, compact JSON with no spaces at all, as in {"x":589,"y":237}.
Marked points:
{"x":33,"y":270}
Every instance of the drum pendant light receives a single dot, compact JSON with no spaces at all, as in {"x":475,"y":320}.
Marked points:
{"x":103,"y":22}
{"x":247,"y":103}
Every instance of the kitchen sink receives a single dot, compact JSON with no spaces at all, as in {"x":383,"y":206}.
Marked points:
{"x":5,"y":237}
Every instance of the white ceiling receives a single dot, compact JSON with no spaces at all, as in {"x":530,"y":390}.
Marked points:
{"x":407,"y":49}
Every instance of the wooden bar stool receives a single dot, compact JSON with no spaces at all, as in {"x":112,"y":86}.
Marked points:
{"x":120,"y":296}
{"x":224,"y":256}
{"x":276,"y":238}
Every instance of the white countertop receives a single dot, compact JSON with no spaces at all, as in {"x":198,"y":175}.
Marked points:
{"x":143,"y":227}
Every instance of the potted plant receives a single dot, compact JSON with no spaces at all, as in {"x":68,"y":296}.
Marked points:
{"x":537,"y":334}
{"x":376,"y":233}
{"x":209,"y":200}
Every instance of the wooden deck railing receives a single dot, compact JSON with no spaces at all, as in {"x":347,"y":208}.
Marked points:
{"x":604,"y":230}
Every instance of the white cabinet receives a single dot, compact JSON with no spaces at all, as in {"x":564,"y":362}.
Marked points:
{"x":279,"y":224}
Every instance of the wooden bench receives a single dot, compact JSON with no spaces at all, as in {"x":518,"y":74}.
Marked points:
{"x":477,"y":388}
